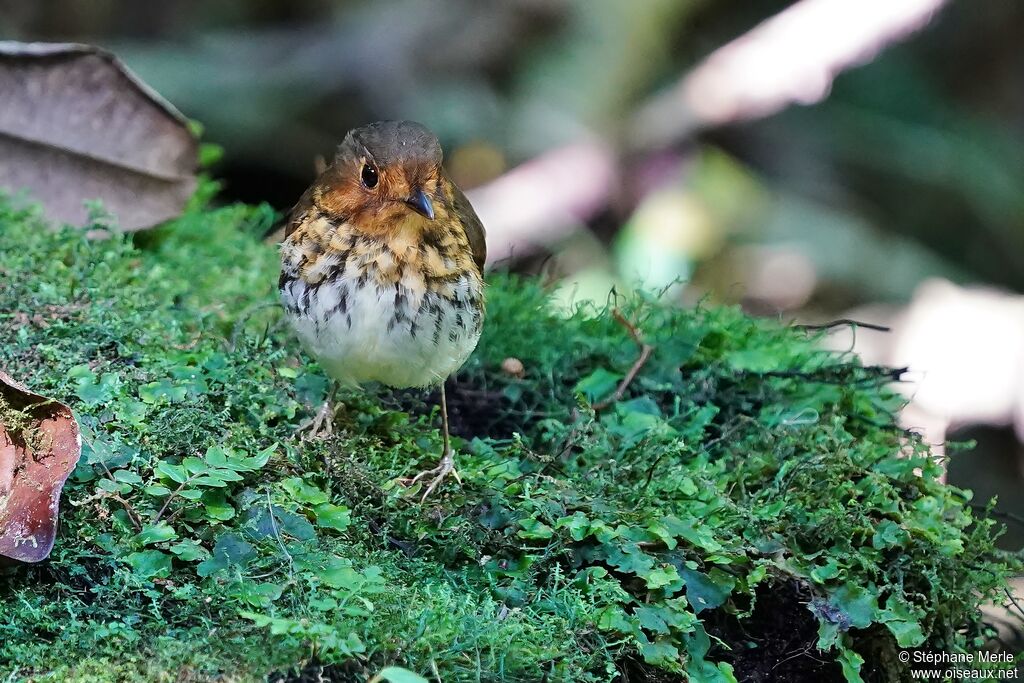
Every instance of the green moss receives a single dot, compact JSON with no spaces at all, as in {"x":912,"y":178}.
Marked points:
{"x":200,"y":537}
{"x":19,"y":426}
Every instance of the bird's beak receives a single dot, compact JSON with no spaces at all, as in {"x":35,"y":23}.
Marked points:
{"x":420,"y":203}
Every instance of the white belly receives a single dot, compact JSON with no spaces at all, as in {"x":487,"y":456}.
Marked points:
{"x":386,"y":335}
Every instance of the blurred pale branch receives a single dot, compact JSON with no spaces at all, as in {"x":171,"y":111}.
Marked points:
{"x":520,"y":209}
{"x":791,"y":58}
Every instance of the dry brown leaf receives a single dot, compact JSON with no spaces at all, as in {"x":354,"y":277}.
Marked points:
{"x":39,"y":447}
{"x":76,"y":125}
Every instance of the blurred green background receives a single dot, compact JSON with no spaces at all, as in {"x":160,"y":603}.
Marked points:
{"x":883,"y":201}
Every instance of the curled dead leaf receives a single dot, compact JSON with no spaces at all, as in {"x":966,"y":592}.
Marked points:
{"x":77,"y":125}
{"x":39,"y":448}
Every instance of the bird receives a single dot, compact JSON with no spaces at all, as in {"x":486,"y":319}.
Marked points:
{"x":382,"y":271}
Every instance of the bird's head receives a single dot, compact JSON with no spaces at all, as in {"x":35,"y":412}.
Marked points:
{"x":385,"y":174}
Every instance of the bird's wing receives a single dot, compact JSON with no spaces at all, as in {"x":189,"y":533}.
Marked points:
{"x":471,"y":224}
{"x":299,"y":212}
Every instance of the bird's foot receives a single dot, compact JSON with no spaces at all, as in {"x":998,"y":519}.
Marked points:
{"x":445,"y":467}
{"x":320,"y":426}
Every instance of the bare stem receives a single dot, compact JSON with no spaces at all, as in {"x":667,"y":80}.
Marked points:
{"x":645,"y":353}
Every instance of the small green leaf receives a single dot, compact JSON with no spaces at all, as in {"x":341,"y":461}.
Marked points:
{"x":396,"y":674}
{"x":858,"y":604}
{"x":216,"y":457}
{"x":217,"y":507}
{"x":335,"y":517}
{"x":155,"y":534}
{"x":230,"y":549}
{"x":904,"y":621}
{"x":261,"y":524}
{"x":888,"y":534}
{"x":613,"y":619}
{"x":698,"y":669}
{"x":598,"y":384}
{"x":323,"y":604}
{"x":534,"y":529}
{"x":127,"y":477}
{"x":660,"y":653}
{"x":823,"y":574}
{"x":154,"y":392}
{"x":173,"y":472}
{"x":150,"y":564}
{"x":194,"y":465}
{"x":577,"y":524}
{"x":189,"y":551}
{"x":254,"y":594}
{"x":851,"y":663}
{"x":662,"y":576}
{"x":629,"y":558}
{"x":662,"y":533}
{"x":260,"y":459}
{"x":692,"y":532}
{"x":303,"y":492}
{"x":651,"y":619}
{"x":908,"y":633}
{"x":707,"y":591}
{"x":111,"y":486}
{"x":91,"y":388}
{"x":212,"y":480}
{"x":340,"y":574}
{"x":828,"y":635}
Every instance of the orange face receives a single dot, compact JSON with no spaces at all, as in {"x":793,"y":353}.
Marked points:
{"x":377,"y":198}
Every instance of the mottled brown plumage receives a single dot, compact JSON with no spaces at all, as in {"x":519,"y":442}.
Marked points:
{"x":382,"y":265}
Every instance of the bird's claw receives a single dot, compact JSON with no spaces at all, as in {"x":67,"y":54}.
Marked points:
{"x":320,"y":426}
{"x":445,"y":467}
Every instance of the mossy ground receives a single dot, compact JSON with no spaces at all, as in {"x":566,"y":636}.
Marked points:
{"x":748,"y":510}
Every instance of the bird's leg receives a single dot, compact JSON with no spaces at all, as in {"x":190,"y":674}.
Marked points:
{"x":321,"y":425}
{"x":447,"y":464}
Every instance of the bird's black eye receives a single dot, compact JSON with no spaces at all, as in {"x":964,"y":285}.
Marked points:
{"x":369,"y":176}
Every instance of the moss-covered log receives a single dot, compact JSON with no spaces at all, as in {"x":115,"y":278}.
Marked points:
{"x":747,"y":509}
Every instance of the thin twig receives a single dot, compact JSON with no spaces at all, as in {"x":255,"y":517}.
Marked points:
{"x":132,"y":514}
{"x":170,"y":497}
{"x":277,"y":534}
{"x":650,"y":472}
{"x":1012,"y":599}
{"x":843,"y":322}
{"x":799,"y":653}
{"x":645,"y":353}
{"x":876,"y":373}
{"x":244,"y":318}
